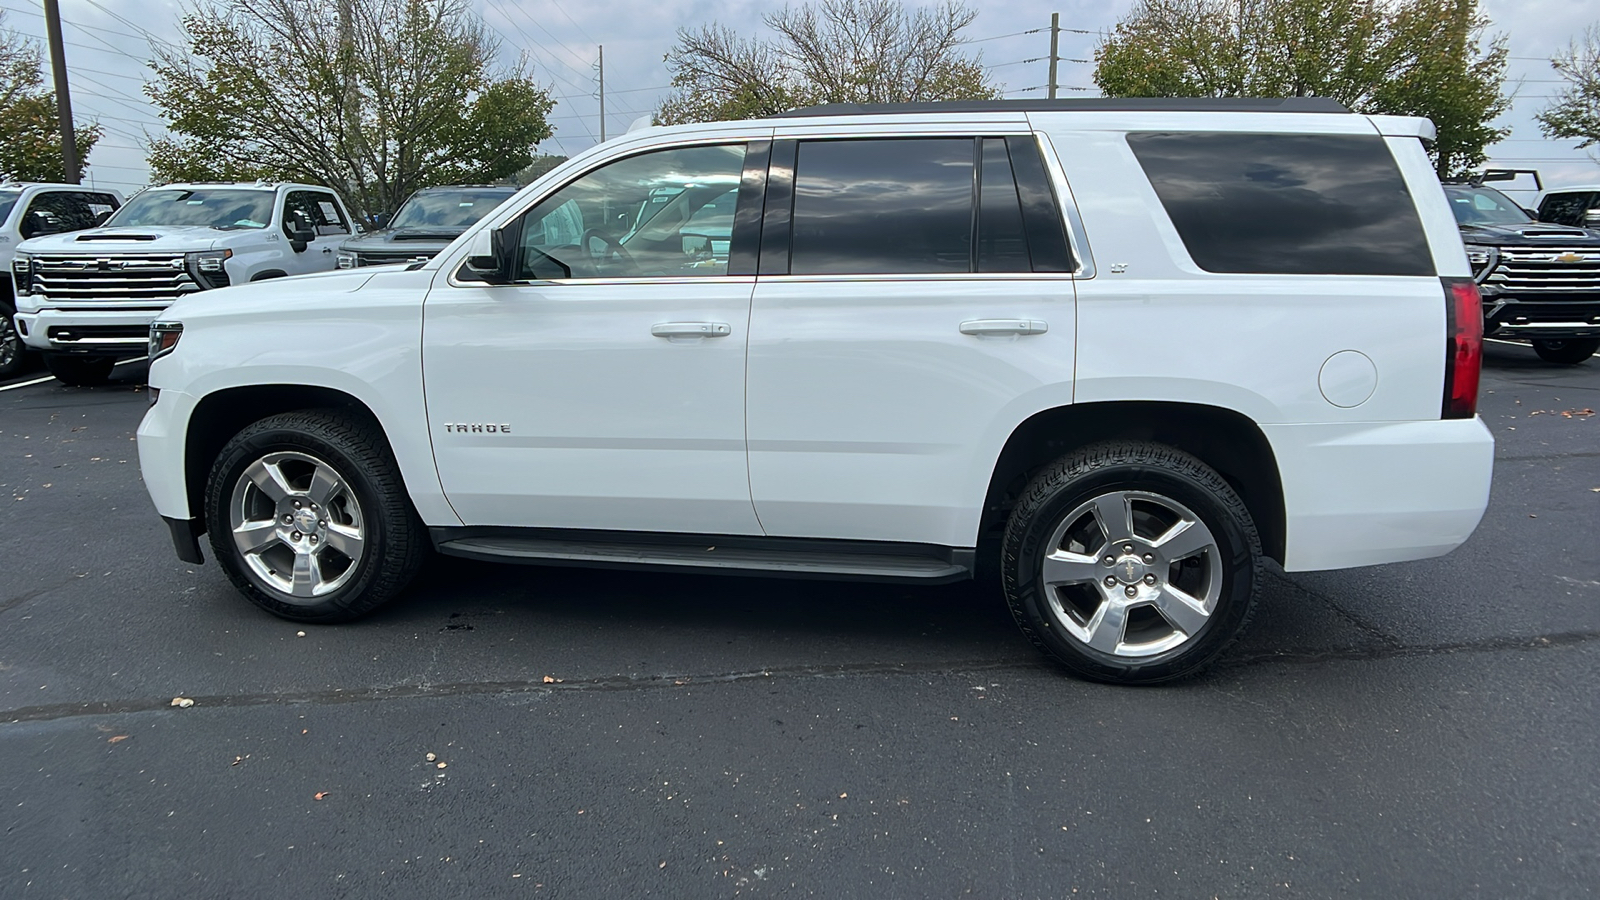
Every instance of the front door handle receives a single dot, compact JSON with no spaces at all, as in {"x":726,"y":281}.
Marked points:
{"x":982,"y":327}
{"x":691,"y":329}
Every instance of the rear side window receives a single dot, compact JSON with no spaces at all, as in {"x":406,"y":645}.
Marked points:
{"x":1286,"y":204}
{"x":1568,"y":208}
{"x":882,"y":207}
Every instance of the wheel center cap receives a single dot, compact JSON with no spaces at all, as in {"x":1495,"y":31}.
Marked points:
{"x":1130,"y":569}
{"x":305,"y":521}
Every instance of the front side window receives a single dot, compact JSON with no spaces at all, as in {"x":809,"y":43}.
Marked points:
{"x":316,"y":208}
{"x":668,"y":213}
{"x":1484,"y":206}
{"x":1286,"y":204}
{"x":223,"y":209}
{"x":54,"y":212}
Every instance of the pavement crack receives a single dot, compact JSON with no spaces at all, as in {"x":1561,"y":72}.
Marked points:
{"x":617,"y":683}
{"x":1360,"y":624}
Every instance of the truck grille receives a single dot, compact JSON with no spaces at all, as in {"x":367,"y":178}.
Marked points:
{"x":112,"y":278}
{"x":1545,"y":270}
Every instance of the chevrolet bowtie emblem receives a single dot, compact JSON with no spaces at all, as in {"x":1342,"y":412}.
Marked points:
{"x":1569,"y":257}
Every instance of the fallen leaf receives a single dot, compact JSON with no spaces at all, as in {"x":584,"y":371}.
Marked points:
{"x":182,"y":702}
{"x":116,"y":738}
{"x":549,"y":680}
{"x":320,"y":794}
{"x":299,"y":634}
{"x":842,"y":796}
{"x":441,"y":765}
{"x":431,"y":757}
{"x":236,"y":760}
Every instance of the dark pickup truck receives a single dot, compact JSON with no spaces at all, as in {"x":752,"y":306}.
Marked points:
{"x":1539,"y":281}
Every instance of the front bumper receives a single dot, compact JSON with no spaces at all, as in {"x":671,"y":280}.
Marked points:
{"x":109,"y":332}
{"x":1541,"y":318}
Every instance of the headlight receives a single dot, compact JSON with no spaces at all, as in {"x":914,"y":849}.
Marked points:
{"x":163,"y":338}
{"x":207,"y":269}
{"x":22,"y":273}
{"x":1482,"y":259}
{"x":347,"y":259}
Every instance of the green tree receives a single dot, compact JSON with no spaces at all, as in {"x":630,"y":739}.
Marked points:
{"x":1575,"y":112}
{"x":837,"y":51}
{"x":541,"y":164}
{"x":1396,"y":57}
{"x":375,"y":98}
{"x":30,"y":133}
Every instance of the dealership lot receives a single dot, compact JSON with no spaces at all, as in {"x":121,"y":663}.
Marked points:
{"x":1426,"y":729}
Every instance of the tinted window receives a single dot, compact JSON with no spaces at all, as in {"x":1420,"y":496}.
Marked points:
{"x":1286,"y":204}
{"x":1568,"y":208}
{"x":1002,"y":245}
{"x":666,"y":213}
{"x":217,"y":208}
{"x":53,"y":212}
{"x":882,"y":207}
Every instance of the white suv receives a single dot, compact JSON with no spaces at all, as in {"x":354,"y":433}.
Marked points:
{"x":1124,"y":350}
{"x":30,"y":209}
{"x":85,"y":299}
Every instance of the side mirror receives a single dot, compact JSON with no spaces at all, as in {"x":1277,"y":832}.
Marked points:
{"x":39,"y":223}
{"x":696,"y":246}
{"x":301,"y":234}
{"x":492,"y":257}
{"x":1591,"y":218}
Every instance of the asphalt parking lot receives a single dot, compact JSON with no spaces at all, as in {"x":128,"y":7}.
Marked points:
{"x":1420,"y":730}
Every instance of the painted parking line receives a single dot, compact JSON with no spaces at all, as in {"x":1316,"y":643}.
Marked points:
{"x":23,"y":384}
{"x":49,"y":378}
{"x":1520,"y":344}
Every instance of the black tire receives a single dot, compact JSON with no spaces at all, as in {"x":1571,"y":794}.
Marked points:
{"x":354,"y":448}
{"x":1157,"y":486}
{"x":80,"y":371}
{"x":1566,"y":352}
{"x":13,"y":352}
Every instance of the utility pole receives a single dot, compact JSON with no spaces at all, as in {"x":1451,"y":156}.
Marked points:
{"x":1055,"y":37}
{"x":58,"y":64}
{"x":602,"y":93}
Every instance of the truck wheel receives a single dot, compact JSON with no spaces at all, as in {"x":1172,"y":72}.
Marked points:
{"x":1131,"y":562}
{"x":13,"y":352}
{"x":1568,"y":352}
{"x":80,"y":371}
{"x":308,"y":516}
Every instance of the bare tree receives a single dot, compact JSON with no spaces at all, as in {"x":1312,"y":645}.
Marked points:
{"x":837,"y":51}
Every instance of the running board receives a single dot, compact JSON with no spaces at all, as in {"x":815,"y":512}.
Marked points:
{"x":724,"y":554}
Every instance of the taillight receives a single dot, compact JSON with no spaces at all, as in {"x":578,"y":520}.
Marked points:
{"x":1463,"y":353}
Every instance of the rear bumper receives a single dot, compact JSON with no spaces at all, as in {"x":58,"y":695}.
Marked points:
{"x":111,"y":332}
{"x":1365,"y":494}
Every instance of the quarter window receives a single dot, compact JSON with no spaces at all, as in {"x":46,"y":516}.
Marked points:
{"x":1285,"y":203}
{"x":668,"y":213}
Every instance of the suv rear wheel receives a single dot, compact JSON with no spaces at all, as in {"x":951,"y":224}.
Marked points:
{"x":1567,"y":352}
{"x":1131,"y":562}
{"x":308,"y":516}
{"x":80,"y":371}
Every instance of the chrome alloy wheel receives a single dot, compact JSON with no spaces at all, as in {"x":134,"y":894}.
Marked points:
{"x":1132,"y":574}
{"x":297,"y":524}
{"x":10,"y":341}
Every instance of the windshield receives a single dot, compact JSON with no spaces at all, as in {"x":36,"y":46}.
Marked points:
{"x":216,"y":208}
{"x":1484,"y":206}
{"x":447,"y":209}
{"x":8,"y":199}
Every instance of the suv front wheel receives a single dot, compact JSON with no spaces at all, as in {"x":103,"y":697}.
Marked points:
{"x":307,"y":513}
{"x":1567,"y":352}
{"x":1131,"y":562}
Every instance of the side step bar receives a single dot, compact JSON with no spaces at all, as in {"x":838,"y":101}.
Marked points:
{"x":724,"y":554}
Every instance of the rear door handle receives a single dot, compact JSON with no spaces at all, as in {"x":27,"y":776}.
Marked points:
{"x":691,"y":329}
{"x":1003,"y":326}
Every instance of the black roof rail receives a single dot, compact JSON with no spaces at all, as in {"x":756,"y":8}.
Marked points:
{"x":1081,"y":104}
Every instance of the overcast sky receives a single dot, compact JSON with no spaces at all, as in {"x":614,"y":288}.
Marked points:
{"x":108,"y":43}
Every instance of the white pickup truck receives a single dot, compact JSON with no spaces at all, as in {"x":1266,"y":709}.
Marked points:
{"x":86,"y":299}
{"x":33,"y":209}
